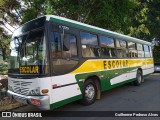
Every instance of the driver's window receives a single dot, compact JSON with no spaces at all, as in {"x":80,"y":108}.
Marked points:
{"x":65,"y":60}
{"x":72,"y":52}
{"x":56,"y":44}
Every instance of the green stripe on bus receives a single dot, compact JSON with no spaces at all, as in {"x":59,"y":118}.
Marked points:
{"x":66,"y":101}
{"x":105,"y":81}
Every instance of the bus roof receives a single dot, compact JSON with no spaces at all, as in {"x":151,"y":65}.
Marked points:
{"x":94,"y":29}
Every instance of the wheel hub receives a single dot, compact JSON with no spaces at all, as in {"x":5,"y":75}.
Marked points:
{"x":89,"y":92}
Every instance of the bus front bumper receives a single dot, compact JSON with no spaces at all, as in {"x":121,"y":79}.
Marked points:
{"x":42,"y":102}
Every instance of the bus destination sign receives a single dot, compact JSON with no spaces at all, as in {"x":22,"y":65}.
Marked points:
{"x":29,"y":70}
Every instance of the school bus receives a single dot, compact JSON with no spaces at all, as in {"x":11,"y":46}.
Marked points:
{"x":55,"y":61}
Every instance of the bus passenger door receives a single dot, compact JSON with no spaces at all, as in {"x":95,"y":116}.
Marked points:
{"x":64,"y":59}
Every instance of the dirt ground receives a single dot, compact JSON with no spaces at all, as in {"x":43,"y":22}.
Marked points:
{"x":10,"y":106}
{"x":5,"y":102}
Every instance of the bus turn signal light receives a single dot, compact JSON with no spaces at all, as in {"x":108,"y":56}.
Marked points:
{"x":44,"y":91}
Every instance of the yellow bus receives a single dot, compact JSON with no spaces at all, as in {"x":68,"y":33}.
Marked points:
{"x":55,"y":61}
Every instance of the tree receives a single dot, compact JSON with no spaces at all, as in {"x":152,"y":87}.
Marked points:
{"x":32,"y":9}
{"x":108,"y":14}
{"x":145,"y":20}
{"x":9,"y":13}
{"x":156,"y":52}
{"x":4,"y":45}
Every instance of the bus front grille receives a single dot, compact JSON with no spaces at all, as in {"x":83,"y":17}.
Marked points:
{"x":21,"y":87}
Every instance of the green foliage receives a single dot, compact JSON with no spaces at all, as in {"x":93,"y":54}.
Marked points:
{"x":4,"y":43}
{"x":113,"y":15}
{"x":156,"y":53}
{"x":108,"y":14}
{"x":145,"y":20}
{"x":28,"y":15}
{"x":9,"y":14}
{"x":32,"y":10}
{"x":3,"y":69}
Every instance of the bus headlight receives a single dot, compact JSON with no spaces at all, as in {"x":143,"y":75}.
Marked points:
{"x":35,"y":91}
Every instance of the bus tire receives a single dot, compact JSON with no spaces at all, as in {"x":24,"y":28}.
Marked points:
{"x":89,"y":92}
{"x":139,"y":78}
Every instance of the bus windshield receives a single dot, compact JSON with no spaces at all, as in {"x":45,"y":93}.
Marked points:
{"x":28,"y":53}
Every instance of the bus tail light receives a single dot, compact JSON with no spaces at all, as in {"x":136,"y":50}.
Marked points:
{"x":36,"y":102}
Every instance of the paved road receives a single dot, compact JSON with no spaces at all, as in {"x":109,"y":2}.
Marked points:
{"x":124,"y":98}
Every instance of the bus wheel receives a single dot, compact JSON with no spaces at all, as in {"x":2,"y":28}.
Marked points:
{"x":138,"y":78}
{"x":89,"y":92}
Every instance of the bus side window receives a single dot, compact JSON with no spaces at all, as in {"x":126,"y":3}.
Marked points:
{"x":90,"y":46}
{"x":140,"y":50}
{"x":72,"y":52}
{"x":56,"y":46}
{"x":107,"y":47}
{"x":146,"y":51}
{"x":132,"y":50}
{"x":121,"y":48}
{"x":61,"y":59}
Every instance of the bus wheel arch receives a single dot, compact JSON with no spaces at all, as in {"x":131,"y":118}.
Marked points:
{"x":93,"y":82}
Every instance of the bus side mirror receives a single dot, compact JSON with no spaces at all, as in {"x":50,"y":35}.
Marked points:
{"x":66,"y":42}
